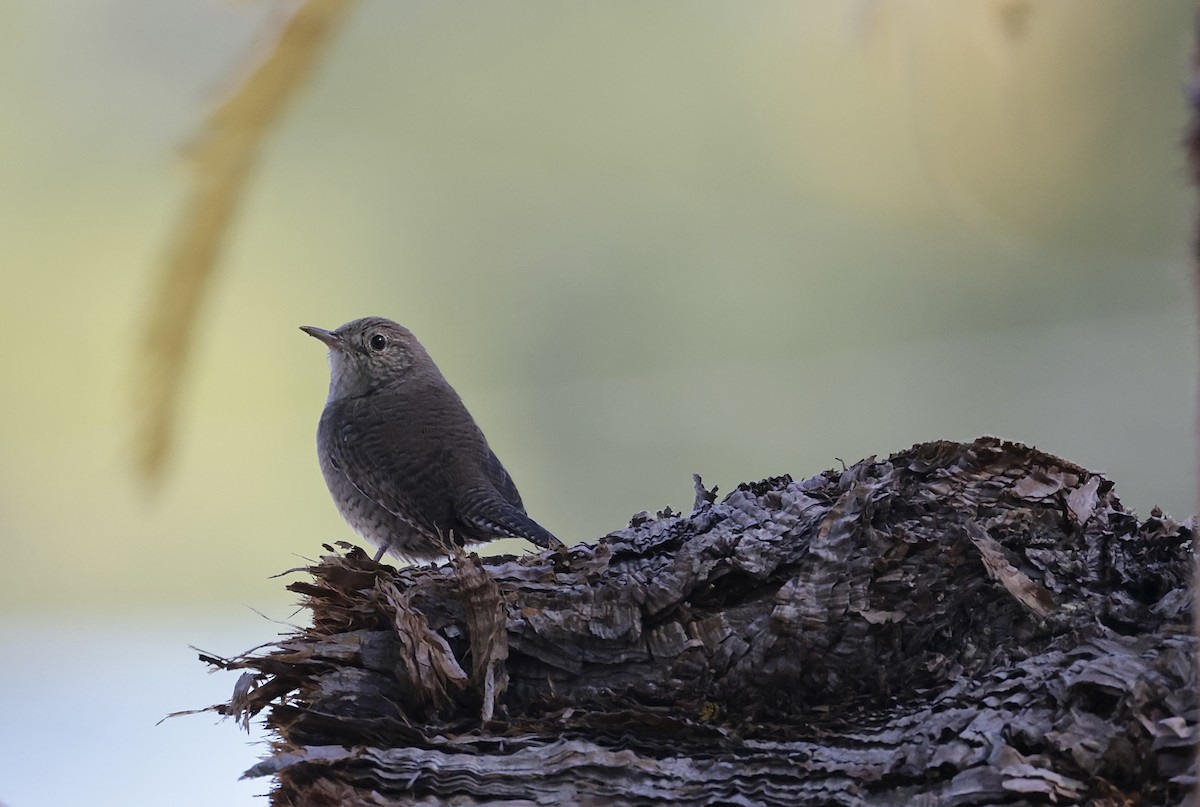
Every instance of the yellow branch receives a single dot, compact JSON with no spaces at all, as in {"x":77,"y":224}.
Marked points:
{"x":222,"y":160}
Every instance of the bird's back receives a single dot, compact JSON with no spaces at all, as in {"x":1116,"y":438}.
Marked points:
{"x":415,"y":451}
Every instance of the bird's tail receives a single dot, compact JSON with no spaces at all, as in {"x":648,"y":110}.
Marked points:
{"x":487,"y":512}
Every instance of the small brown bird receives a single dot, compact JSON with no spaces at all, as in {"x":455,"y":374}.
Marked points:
{"x":407,"y":467}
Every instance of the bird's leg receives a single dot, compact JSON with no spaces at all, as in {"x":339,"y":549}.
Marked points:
{"x":382,"y":551}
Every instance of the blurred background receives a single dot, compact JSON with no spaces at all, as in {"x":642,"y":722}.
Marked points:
{"x":642,"y":241}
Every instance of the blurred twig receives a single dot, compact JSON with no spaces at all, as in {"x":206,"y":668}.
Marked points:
{"x":222,"y":160}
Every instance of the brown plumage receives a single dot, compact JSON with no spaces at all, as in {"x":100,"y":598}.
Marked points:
{"x":406,"y":464}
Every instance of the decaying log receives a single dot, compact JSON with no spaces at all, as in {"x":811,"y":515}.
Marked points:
{"x":958,"y":624}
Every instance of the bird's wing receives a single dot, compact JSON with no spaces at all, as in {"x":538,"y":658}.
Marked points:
{"x":499,"y":477}
{"x":507,"y":515}
{"x":389,"y":464}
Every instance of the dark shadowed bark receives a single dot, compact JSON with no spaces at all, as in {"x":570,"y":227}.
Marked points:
{"x":959,"y":624}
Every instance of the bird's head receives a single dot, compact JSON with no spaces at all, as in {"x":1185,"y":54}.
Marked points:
{"x":369,"y":354}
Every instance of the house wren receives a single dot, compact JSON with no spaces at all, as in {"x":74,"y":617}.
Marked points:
{"x":407,"y":467}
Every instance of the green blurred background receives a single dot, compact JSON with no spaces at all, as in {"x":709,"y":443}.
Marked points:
{"x":641,"y":239}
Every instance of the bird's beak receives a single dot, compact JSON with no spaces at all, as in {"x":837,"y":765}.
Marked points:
{"x":328,"y":337}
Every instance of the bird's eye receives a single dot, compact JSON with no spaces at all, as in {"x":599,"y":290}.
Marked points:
{"x":378,"y":342}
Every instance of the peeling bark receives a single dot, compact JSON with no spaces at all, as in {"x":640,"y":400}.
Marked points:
{"x":959,"y":624}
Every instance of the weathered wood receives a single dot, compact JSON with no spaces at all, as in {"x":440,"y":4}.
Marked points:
{"x":959,"y":624}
